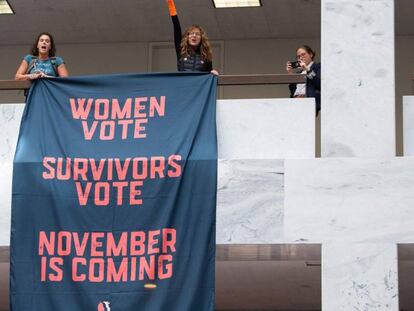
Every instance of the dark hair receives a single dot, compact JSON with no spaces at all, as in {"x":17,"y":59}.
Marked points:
{"x":308,"y":49}
{"x":205,"y":48}
{"x":35,"y":51}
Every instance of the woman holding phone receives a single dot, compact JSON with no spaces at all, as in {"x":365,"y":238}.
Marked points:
{"x":312,"y":88}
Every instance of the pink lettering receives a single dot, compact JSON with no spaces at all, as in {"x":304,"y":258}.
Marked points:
{"x":152,"y":241}
{"x":154,"y":105}
{"x":107,"y":130}
{"x":96,"y":275}
{"x":101,"y":109}
{"x":124,"y":113}
{"x":44,"y":242}
{"x":102,"y":188}
{"x":157,"y":169}
{"x":51,"y":173}
{"x":79,"y":111}
{"x":168,"y":267}
{"x":75,"y":276}
{"x":88,"y":132}
{"x":148,"y":269}
{"x":139,"y":107}
{"x":113,"y":274}
{"x":95,"y":244}
{"x":135,"y":192}
{"x":83,"y":195}
{"x":139,"y":130}
{"x":169,"y":242}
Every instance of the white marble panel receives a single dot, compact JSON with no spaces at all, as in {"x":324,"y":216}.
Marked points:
{"x":358,"y":88}
{"x":10,"y":116}
{"x":408,"y":121}
{"x":250,"y":201}
{"x":247,"y":128}
{"x":6,"y":169}
{"x":266,"y":128}
{"x":349,"y":199}
{"x":359,"y":277}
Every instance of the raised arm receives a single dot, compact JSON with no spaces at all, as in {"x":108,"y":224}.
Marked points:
{"x":177,"y":27}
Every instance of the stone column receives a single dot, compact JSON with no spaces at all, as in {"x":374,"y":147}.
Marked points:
{"x":358,"y":88}
{"x":359,"y":209}
{"x":358,"y":120}
{"x":408,"y":123}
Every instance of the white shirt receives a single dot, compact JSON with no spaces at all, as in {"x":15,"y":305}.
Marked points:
{"x":301,"y":87}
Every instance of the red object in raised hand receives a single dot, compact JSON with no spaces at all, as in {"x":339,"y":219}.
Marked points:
{"x":171,"y":7}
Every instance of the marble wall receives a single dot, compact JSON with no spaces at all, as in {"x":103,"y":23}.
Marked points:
{"x":254,"y":137}
{"x":250,"y":201}
{"x":10,"y":116}
{"x":344,"y":202}
{"x":359,"y":277}
{"x":408,"y":125}
{"x":358,"y":100}
{"x":272,"y":190}
{"x":266,"y":128}
{"x":5,"y":201}
{"x":359,"y":209}
{"x":350,"y":200}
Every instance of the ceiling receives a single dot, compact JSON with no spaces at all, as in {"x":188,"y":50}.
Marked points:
{"x":97,"y":21}
{"x":103,"y":21}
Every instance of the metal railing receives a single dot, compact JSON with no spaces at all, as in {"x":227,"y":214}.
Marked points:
{"x":14,"y":85}
{"x":412,"y":84}
{"x":4,"y":254}
{"x":223,"y":80}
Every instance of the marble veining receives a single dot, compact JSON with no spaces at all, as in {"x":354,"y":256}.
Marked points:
{"x":408,"y":123}
{"x":349,"y":199}
{"x":358,"y":100}
{"x":250,"y":201}
{"x":6,"y":169}
{"x":266,"y":128}
{"x":10,"y":116}
{"x":361,"y":277}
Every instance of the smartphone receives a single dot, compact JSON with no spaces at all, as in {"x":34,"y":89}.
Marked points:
{"x":295,"y":64}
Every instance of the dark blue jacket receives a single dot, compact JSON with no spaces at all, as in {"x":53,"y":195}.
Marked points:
{"x":313,"y":85}
{"x":192,"y":62}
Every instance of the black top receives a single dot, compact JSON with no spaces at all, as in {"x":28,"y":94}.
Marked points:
{"x":193,"y":62}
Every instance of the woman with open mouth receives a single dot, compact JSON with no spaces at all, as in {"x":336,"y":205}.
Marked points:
{"x":42,"y":61}
{"x":193,"y":47}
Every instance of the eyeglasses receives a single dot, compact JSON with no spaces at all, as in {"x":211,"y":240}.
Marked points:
{"x":301,"y":55}
{"x":194,"y":34}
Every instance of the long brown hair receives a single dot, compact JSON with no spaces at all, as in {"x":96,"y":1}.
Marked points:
{"x":205,"y":48}
{"x":35,"y":51}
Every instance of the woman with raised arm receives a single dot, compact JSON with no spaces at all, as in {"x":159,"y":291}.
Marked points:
{"x":42,"y":61}
{"x":192,"y":48}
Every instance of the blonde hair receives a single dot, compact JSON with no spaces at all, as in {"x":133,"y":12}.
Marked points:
{"x":205,"y":48}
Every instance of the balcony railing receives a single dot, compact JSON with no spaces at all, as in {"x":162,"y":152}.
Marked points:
{"x":223,"y":80}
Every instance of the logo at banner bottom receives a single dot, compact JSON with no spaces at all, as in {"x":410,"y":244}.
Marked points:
{"x":104,"y":306}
